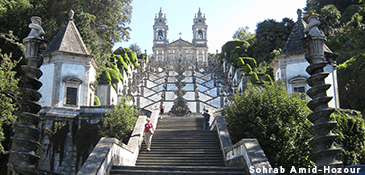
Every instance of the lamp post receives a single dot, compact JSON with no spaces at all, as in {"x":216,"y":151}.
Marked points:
{"x":325,"y":154}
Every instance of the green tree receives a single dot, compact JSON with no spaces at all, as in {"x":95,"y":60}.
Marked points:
{"x":242,"y":33}
{"x":8,"y":95}
{"x":278,"y":120}
{"x":330,"y":19}
{"x":119,"y":121}
{"x":351,"y":83}
{"x":270,"y":35}
{"x":99,"y":27}
{"x":135,"y":48}
{"x":351,"y":130}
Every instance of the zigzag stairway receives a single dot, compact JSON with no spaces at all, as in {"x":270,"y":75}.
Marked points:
{"x":180,"y":146}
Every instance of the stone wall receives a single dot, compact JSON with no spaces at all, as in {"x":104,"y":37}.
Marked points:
{"x":68,"y":137}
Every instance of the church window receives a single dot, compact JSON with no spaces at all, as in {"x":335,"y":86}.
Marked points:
{"x":159,"y":59}
{"x":71,"y":96}
{"x":172,"y":58}
{"x":200,"y":34}
{"x":72,"y":85}
{"x":200,"y":59}
{"x":299,"y":89}
{"x":160,"y":35}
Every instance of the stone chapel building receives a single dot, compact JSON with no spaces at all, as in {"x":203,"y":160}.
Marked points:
{"x":290,"y":66}
{"x":72,"y":69}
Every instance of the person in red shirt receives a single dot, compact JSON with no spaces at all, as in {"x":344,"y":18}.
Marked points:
{"x":148,"y":132}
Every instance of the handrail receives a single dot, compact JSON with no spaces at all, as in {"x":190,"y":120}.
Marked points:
{"x":246,"y":153}
{"x":110,"y":151}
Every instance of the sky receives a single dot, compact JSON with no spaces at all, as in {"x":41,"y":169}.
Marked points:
{"x":223,"y":18}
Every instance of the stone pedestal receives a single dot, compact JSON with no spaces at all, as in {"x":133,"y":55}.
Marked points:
{"x":324,"y":153}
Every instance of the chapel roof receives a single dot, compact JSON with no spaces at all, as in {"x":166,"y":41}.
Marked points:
{"x":294,"y":43}
{"x":68,"y":40}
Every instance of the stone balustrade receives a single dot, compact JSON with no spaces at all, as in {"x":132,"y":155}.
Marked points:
{"x":246,"y":153}
{"x":110,"y":151}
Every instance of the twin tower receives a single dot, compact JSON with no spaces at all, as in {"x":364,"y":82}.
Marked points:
{"x":180,"y":50}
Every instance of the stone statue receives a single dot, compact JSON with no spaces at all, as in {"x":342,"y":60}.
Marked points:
{"x":312,"y":27}
{"x":36,"y":29}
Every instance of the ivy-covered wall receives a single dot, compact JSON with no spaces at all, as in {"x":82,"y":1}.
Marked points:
{"x":67,"y":139}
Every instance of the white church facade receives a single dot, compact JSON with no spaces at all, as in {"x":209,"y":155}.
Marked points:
{"x":180,"y":50}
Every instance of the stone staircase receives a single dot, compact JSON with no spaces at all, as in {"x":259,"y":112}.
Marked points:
{"x":180,"y":146}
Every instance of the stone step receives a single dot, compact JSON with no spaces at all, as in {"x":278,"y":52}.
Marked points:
{"x":179,"y":164}
{"x":180,"y":146}
{"x":182,"y":150}
{"x":187,"y":142}
{"x":190,"y":133}
{"x":185,"y":154}
{"x":164,"y":170}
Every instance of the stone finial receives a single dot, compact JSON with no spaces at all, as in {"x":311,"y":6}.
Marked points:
{"x":300,"y":13}
{"x":71,"y":15}
{"x":36,"y":28}
{"x":312,"y":27}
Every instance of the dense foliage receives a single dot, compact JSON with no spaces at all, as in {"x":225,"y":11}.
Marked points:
{"x":351,"y":130}
{"x":119,"y":121}
{"x":276,"y":119}
{"x":351,"y":83}
{"x":99,"y":27}
{"x":121,"y":60}
{"x":8,"y":95}
{"x":270,"y":35}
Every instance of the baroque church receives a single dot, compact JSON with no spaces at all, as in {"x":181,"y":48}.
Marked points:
{"x":180,"y":50}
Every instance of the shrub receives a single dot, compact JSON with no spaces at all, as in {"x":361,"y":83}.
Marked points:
{"x":119,"y":121}
{"x":351,"y":130}
{"x":233,"y":57}
{"x":96,"y":101}
{"x":251,"y":61}
{"x":248,"y":68}
{"x":104,"y":77}
{"x":240,"y":63}
{"x":268,"y":79}
{"x":230,"y":45}
{"x":254,"y":78}
{"x":277,"y":119}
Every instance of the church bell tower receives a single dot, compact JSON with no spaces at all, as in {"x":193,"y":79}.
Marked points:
{"x":160,"y":29}
{"x":199,"y":30}
{"x":200,"y":37}
{"x":160,"y":41}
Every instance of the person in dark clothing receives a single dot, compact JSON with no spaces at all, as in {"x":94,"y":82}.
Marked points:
{"x":162,"y":107}
{"x":206,"y":116}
